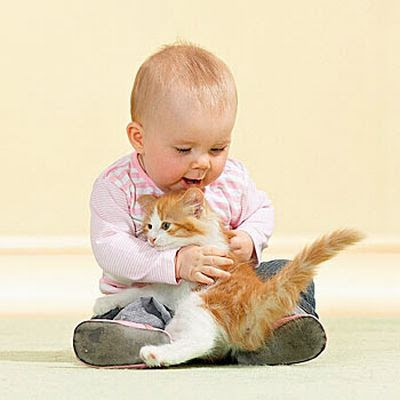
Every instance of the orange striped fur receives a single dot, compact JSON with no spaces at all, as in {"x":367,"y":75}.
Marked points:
{"x":247,"y":307}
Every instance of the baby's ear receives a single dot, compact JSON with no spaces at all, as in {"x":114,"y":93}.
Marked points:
{"x":147,"y":202}
{"x":135,"y":135}
{"x":193,"y":199}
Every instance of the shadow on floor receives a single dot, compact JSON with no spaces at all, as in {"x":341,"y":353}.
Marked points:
{"x":67,"y":356}
{"x":38,"y":356}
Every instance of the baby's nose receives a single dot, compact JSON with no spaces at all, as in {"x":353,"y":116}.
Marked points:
{"x":202,"y":162}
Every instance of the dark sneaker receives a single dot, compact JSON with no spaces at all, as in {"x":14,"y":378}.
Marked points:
{"x":296,"y":339}
{"x":114,"y":343}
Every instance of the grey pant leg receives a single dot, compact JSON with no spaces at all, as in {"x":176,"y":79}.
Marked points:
{"x":307,"y":300}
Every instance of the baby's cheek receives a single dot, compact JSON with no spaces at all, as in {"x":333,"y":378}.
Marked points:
{"x":218,"y":167}
{"x":174,"y":167}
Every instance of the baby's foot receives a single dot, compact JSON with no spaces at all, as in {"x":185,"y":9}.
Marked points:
{"x":296,"y":339}
{"x":114,"y":343}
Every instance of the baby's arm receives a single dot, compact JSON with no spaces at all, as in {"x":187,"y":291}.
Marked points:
{"x":256,"y":220}
{"x":242,"y":245}
{"x":116,"y":249}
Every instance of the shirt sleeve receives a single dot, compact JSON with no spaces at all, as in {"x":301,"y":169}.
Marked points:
{"x":257,"y":215}
{"x":116,"y":249}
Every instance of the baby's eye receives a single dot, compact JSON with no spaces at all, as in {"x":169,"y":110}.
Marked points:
{"x":181,"y":150}
{"x":149,"y":226}
{"x":165,"y":226}
{"x":218,"y":150}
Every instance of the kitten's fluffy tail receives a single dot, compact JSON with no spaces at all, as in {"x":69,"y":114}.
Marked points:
{"x":281,"y":292}
{"x":298,"y":273}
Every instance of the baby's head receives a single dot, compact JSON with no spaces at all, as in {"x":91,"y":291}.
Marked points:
{"x":183,"y":108}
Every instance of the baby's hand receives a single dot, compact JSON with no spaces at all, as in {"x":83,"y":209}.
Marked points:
{"x":200,"y":264}
{"x":242,"y":245}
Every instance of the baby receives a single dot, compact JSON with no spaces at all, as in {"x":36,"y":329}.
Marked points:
{"x":183,"y":109}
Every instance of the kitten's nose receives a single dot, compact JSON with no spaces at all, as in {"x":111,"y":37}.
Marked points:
{"x":151,"y":240}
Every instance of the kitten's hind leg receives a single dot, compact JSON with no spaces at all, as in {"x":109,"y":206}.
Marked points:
{"x":194,"y":334}
{"x":106,"y":303}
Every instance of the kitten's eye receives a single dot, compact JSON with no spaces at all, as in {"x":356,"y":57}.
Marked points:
{"x":165,"y":226}
{"x":149,"y":226}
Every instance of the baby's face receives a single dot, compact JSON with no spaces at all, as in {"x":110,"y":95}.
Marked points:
{"x":186,"y":145}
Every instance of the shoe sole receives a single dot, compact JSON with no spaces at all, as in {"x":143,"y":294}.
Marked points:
{"x":297,"y":339}
{"x":114,"y":344}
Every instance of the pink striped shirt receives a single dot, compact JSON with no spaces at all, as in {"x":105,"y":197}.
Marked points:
{"x":118,"y":245}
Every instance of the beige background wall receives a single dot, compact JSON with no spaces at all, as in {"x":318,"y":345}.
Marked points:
{"x":318,"y":123}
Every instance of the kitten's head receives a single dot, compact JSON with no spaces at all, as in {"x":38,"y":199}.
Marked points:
{"x":175,"y":219}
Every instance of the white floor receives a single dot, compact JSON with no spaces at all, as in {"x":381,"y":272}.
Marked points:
{"x":360,"y":363}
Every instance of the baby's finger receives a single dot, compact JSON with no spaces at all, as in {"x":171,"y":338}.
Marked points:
{"x":215,"y":260}
{"x":215,"y":272}
{"x":214,"y":251}
{"x":201,"y":278}
{"x":235,"y":241}
{"x":235,"y":245}
{"x":240,"y":255}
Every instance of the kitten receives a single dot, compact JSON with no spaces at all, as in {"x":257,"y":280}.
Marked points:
{"x":237,"y":313}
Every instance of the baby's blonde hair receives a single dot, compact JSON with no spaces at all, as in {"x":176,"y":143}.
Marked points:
{"x":186,"y":66}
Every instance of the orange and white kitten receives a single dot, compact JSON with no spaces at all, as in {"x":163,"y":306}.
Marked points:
{"x":233,"y":314}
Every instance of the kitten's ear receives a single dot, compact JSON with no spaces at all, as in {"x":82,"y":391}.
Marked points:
{"x":193,"y":199}
{"x":147,"y":202}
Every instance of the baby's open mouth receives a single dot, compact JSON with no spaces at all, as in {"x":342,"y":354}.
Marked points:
{"x":192,"y":181}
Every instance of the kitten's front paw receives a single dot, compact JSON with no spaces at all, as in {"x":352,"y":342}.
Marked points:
{"x":150,"y":355}
{"x":102,"y":306}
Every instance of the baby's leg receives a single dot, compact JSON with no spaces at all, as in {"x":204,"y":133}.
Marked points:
{"x":120,"y":300}
{"x":307,"y":298}
{"x":168,"y":295}
{"x":194,"y":334}
{"x":297,"y":338}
